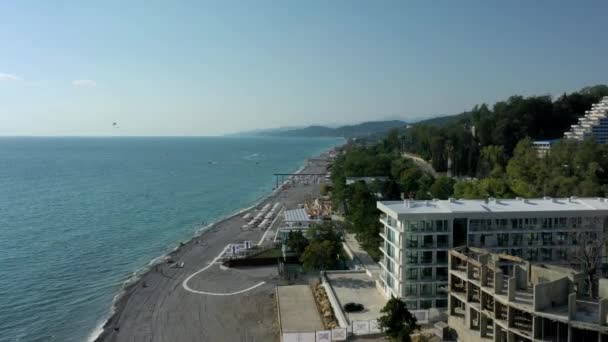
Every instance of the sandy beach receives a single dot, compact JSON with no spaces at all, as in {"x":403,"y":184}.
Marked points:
{"x":217,"y":304}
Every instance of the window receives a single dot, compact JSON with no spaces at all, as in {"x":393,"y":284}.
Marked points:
{"x":390,"y":267}
{"x":532,"y":238}
{"x":412,"y":274}
{"x":411,"y":290}
{"x":503,"y":239}
{"x":427,"y":257}
{"x":413,"y":226}
{"x":390,"y":250}
{"x":547,"y":254}
{"x":426,"y":289}
{"x":439,"y":226}
{"x":426,"y":304}
{"x":442,"y":240}
{"x":391,"y":235}
{"x":412,"y":241}
{"x":389,"y":281}
{"x":442,"y":257}
{"x":411,"y":305}
{"x":441,"y":303}
{"x":428,"y":241}
{"x":427,"y":273}
{"x":442,"y":273}
{"x":411,"y":257}
{"x":547,"y":238}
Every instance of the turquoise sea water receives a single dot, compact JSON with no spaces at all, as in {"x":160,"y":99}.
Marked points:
{"x":79,"y":216}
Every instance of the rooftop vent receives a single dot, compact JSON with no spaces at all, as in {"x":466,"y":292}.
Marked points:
{"x":452,"y":199}
{"x":546,"y":198}
{"x":519,"y":198}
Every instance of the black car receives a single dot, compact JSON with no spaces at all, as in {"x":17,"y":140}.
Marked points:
{"x":353,"y":307}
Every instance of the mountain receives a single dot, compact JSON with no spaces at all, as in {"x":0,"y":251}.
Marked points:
{"x":349,"y":131}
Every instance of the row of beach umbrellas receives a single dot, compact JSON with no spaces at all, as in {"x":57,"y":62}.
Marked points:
{"x":264,"y":217}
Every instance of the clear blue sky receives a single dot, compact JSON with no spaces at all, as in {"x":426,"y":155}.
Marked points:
{"x":203,"y":68}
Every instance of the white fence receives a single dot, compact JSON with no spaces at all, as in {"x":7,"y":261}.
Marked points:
{"x":358,"y":328}
{"x":338,"y":334}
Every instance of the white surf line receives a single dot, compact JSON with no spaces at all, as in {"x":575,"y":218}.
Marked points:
{"x":270,"y":228}
{"x":187,"y":288}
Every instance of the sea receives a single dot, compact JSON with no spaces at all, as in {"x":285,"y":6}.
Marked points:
{"x":79,"y":217}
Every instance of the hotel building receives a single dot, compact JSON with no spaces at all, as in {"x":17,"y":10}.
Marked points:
{"x":593,"y":124}
{"x":418,"y":234}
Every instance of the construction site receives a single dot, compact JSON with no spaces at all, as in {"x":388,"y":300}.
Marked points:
{"x":502,"y":298}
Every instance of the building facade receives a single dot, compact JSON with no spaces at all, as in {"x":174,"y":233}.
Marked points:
{"x":501,"y":298}
{"x":418,"y":234}
{"x":593,"y":124}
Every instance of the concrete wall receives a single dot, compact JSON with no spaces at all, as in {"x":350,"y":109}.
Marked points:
{"x":540,"y":274}
{"x":603,"y":288}
{"x":553,"y":293}
{"x":463,"y":334}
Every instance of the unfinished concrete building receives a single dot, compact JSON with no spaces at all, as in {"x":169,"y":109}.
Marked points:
{"x":502,"y":298}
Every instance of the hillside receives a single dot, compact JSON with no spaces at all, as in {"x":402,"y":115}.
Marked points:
{"x":349,"y":131}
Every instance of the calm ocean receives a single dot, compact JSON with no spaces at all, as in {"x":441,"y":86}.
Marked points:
{"x":79,"y":216}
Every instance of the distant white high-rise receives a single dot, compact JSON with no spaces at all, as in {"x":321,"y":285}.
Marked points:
{"x":593,"y":124}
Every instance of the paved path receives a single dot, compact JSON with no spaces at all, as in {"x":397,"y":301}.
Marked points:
{"x":423,"y":164}
{"x":361,"y":255}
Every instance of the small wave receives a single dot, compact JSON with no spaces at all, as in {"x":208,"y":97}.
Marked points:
{"x":254,"y":156}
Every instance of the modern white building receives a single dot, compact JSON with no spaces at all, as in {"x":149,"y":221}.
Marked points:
{"x":418,"y":234}
{"x":593,"y":124}
{"x":543,"y":147}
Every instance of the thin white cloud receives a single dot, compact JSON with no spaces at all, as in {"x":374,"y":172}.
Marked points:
{"x":84,"y":83}
{"x":9,"y":77}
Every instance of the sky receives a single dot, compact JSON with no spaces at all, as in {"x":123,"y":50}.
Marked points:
{"x":211,"y":68}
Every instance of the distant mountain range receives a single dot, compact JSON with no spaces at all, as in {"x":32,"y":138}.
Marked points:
{"x":370,"y":129}
{"x":347,"y":131}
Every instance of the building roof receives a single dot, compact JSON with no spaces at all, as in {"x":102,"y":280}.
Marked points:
{"x":297,"y":215}
{"x":545,"y":142}
{"x":519,"y":205}
{"x":366,"y":180}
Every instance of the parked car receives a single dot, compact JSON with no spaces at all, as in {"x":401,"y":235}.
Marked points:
{"x":353,"y":307}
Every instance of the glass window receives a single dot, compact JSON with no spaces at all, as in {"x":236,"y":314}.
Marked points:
{"x":441,"y":303}
{"x":411,"y":304}
{"x":411,"y":290}
{"x":426,"y":289}
{"x":411,"y":257}
{"x":427,"y":257}
{"x":439,"y":225}
{"x":426,"y":304}
{"x":427,"y":273}
{"x":428,"y":241}
{"x":442,"y":257}
{"x":412,"y":274}
{"x":442,"y":273}
{"x":442,"y":240}
{"x":412,"y":241}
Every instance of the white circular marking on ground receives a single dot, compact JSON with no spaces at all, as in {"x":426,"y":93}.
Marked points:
{"x":187,"y":288}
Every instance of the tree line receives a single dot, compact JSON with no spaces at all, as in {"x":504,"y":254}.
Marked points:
{"x":504,"y":124}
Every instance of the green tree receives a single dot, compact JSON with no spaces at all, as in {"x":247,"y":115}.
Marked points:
{"x":443,"y":187}
{"x":524,"y":169}
{"x":297,"y":242}
{"x":319,"y":256}
{"x":397,"y":322}
{"x":326,"y":231}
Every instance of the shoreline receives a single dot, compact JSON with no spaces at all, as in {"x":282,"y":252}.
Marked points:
{"x":136,"y":280}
